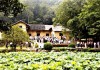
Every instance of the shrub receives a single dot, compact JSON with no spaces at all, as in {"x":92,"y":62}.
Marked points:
{"x":48,"y":46}
{"x":71,"y":45}
{"x":36,"y":45}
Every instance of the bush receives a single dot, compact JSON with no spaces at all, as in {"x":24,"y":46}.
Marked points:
{"x":36,"y":45}
{"x":71,"y":45}
{"x":48,"y":46}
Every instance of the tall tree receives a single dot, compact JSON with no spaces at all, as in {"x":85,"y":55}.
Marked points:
{"x":90,"y":18}
{"x":4,"y":25}
{"x":26,"y":15}
{"x":67,"y":15}
{"x":9,"y":8}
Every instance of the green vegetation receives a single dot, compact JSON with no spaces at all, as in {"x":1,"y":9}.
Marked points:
{"x":8,"y":9}
{"x":16,"y":36}
{"x":59,"y":49}
{"x":48,"y":46}
{"x":33,"y":11}
{"x":50,"y":61}
{"x":5,"y":25}
{"x":82,"y":17}
{"x":36,"y":45}
{"x":71,"y":45}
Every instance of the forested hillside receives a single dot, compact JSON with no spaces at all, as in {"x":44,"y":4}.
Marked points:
{"x":35,"y":12}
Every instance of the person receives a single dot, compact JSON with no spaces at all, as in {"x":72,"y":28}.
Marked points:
{"x":94,"y":44}
{"x":89,"y":44}
{"x":7,"y":45}
{"x":69,"y":42}
{"x":81,"y":44}
{"x":11,"y":44}
{"x":29,"y":44}
{"x":85,"y":45}
{"x":78,"y":44}
{"x":98,"y":44}
{"x":21,"y":45}
{"x":26,"y":44}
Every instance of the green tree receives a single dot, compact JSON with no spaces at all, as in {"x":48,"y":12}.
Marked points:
{"x":90,"y":18}
{"x":11,"y":7}
{"x":4,"y":25}
{"x":67,"y":15}
{"x":82,"y":17}
{"x":15,"y":35}
{"x":26,"y":15}
{"x":67,"y":10}
{"x":41,"y":11}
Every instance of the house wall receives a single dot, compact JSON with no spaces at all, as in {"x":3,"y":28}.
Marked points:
{"x":59,"y":37}
{"x":67,"y":35}
{"x":22,"y":26}
{"x":42,"y":33}
{"x":57,"y":34}
{"x":33,"y":33}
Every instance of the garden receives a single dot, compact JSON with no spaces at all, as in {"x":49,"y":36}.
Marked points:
{"x":79,"y":19}
{"x":50,"y":61}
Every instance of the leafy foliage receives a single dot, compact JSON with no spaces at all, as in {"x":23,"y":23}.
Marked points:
{"x":4,"y":26}
{"x":15,"y":35}
{"x":36,"y":45}
{"x":71,"y":45}
{"x":90,"y":18}
{"x":36,"y":11}
{"x":66,"y":15}
{"x":50,"y":61}
{"x":48,"y":46}
{"x":82,"y":17}
{"x":67,"y":10}
{"x":11,"y":7}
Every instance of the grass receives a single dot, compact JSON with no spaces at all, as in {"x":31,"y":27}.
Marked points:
{"x":3,"y":48}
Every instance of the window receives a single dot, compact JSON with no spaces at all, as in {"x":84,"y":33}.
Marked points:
{"x":20,"y":26}
{"x":29,"y":34}
{"x":47,"y":34}
{"x":60,"y":34}
{"x":38,"y":34}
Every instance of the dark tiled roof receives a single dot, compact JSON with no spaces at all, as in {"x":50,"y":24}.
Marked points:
{"x":42,"y":27}
{"x":36,"y":26}
{"x":20,"y":21}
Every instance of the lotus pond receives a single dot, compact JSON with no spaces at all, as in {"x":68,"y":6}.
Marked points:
{"x":50,"y":61}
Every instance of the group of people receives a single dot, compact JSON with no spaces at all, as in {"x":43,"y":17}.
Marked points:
{"x":87,"y":44}
{"x":48,"y":39}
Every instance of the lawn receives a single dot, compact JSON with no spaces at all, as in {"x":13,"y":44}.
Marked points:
{"x":3,"y":48}
{"x":50,"y":61}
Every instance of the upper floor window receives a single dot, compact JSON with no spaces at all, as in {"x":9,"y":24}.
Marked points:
{"x":60,"y":34}
{"x":47,"y":34}
{"x":38,"y":34}
{"x":29,"y":34}
{"x":20,"y":26}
